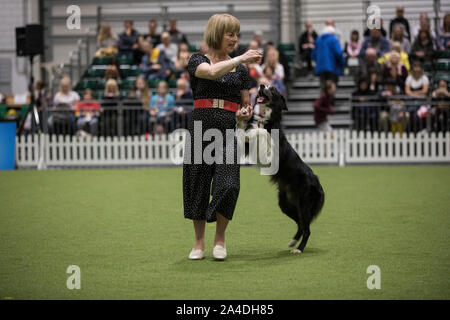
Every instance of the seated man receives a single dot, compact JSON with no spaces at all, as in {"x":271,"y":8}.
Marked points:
{"x":377,"y":41}
{"x":155,"y":64}
{"x":128,"y":40}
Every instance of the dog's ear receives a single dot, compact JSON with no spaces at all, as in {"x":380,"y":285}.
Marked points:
{"x":283,"y":103}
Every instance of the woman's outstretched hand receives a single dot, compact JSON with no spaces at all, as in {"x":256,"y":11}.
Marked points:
{"x":251,"y":56}
{"x":244,"y":113}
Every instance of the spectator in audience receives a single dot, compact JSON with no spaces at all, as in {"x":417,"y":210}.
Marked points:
{"x":396,"y":70}
{"x":360,"y":113}
{"x":374,"y":82}
{"x":368,"y":64}
{"x":274,"y":81}
{"x":377,"y":41}
{"x":398,"y":36}
{"x":328,"y":56}
{"x":444,"y":34}
{"x":323,"y":106}
{"x":152,"y":36}
{"x":128,"y":40}
{"x":337,"y":32}
{"x":390,"y":98}
{"x":259,"y":38}
{"x":353,"y":47}
{"x":65,"y":101}
{"x":424,"y":24}
{"x":404,"y":58}
{"x":159,"y":115}
{"x":272,"y":61}
{"x":169,"y":48}
{"x":254,"y":69}
{"x":106,"y":41}
{"x":441,"y":111}
{"x":112,"y":71}
{"x":182,"y":60}
{"x":177,"y":36}
{"x":416,"y":85}
{"x":382,"y":30}
{"x":306,"y":44}
{"x":155,"y":64}
{"x":423,"y":48}
{"x":401,"y":21}
{"x":140,"y":91}
{"x":183,"y":93}
{"x":280,"y":56}
{"x":111,"y":90}
{"x":87,"y":113}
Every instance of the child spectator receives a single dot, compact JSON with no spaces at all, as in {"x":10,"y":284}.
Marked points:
{"x":323,"y":106}
{"x":112,"y":71}
{"x":391,"y":90}
{"x":111,"y":90}
{"x":182,"y":60}
{"x":183,"y":93}
{"x":352,"y":49}
{"x":441,"y":111}
{"x":87,"y":113}
{"x":140,"y":91}
{"x":274,"y":81}
{"x":361,"y":112}
{"x":160,"y":111}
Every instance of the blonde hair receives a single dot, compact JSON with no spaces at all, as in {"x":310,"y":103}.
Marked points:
{"x":65,"y":80}
{"x":217,"y":26}
{"x":104,"y":33}
{"x":112,"y":83}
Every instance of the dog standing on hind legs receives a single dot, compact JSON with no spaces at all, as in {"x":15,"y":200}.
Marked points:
{"x":300,"y":194}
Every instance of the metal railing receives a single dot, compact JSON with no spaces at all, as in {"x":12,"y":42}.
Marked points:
{"x":114,"y":117}
{"x":400,"y":113}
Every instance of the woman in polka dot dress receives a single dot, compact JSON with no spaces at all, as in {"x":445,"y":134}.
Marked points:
{"x":220,"y":87}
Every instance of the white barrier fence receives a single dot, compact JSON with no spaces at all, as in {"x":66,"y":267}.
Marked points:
{"x":338,"y":147}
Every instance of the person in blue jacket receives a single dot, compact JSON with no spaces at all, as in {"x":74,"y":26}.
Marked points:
{"x":328,"y":56}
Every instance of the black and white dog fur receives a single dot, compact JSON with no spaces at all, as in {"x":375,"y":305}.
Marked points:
{"x":300,"y":194}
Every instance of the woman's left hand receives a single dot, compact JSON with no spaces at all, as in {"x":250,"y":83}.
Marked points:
{"x":244,"y":113}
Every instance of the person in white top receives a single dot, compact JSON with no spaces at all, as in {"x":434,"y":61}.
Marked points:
{"x":271,"y":60}
{"x":170,"y":49}
{"x":63,"y":121}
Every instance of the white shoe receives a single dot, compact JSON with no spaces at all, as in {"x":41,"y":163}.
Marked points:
{"x":196,"y":254}
{"x":219,"y":253}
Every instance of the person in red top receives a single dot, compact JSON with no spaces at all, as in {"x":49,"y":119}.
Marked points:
{"x":87,"y":113}
{"x":323,"y":106}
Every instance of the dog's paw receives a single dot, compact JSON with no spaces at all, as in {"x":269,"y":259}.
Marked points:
{"x":296,"y":251}
{"x":292,"y":243}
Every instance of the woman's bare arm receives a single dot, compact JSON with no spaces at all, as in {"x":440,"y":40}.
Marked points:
{"x":217,"y":70}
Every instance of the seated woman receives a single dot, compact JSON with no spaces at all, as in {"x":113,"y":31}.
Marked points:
{"x":87,"y":113}
{"x":271,"y":59}
{"x":423,"y":48}
{"x":61,"y":118}
{"x":395,"y":69}
{"x":416,"y":86}
{"x":182,"y":60}
{"x":106,"y":41}
{"x":111,"y":90}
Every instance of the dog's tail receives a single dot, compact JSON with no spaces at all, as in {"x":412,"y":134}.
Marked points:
{"x":317,"y":200}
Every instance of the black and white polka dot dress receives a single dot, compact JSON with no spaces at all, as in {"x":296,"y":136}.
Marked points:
{"x":197,"y":178}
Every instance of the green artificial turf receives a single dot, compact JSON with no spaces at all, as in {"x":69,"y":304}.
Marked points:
{"x":125,"y":229}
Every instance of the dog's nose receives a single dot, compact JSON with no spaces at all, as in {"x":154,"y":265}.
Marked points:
{"x":262,"y":87}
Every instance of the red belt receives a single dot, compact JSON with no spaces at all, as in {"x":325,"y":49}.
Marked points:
{"x":216,"y":103}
